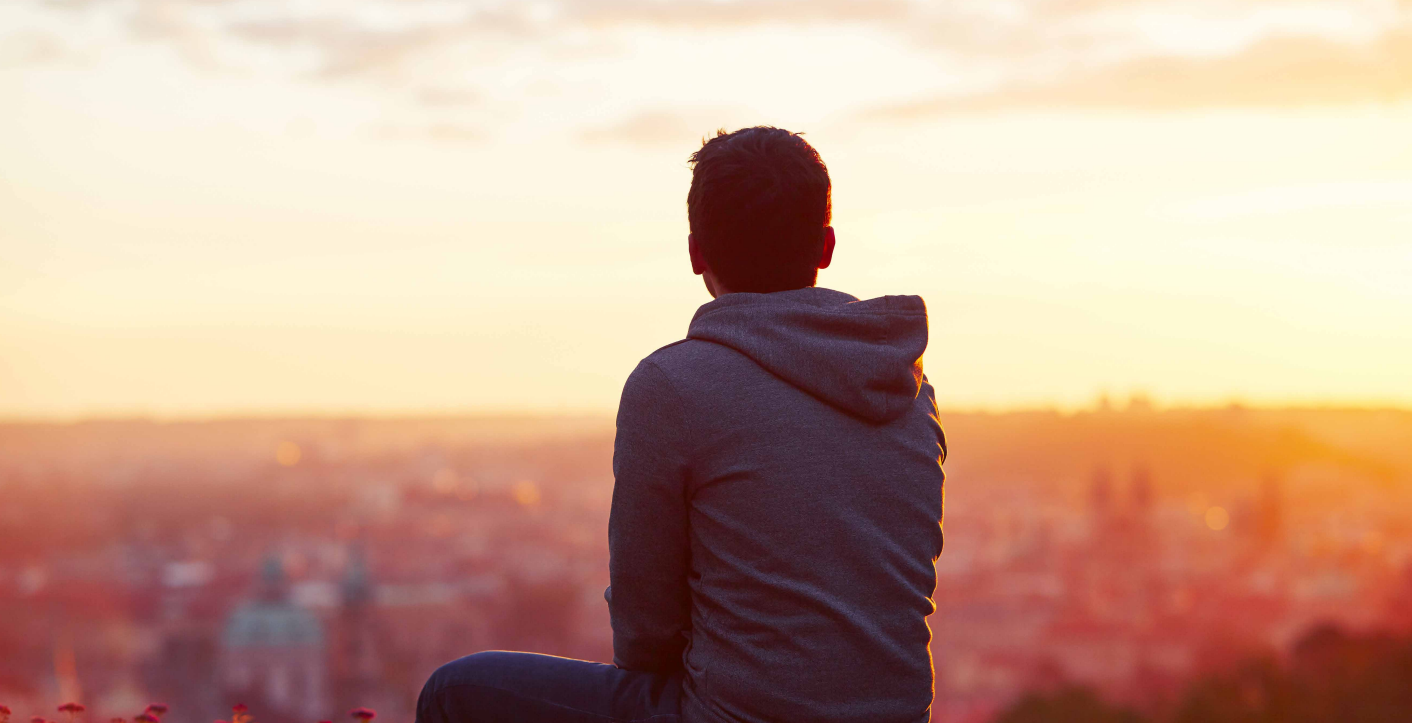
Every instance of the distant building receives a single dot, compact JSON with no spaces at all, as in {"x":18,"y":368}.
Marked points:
{"x":1269,"y":511}
{"x":1103,"y":512}
{"x":1139,"y":524}
{"x":357,"y":650}
{"x":273,"y":654}
{"x":1140,"y":495}
{"x":1100,"y":494}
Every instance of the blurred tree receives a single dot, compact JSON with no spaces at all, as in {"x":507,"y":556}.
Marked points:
{"x":1329,"y":675}
{"x":1070,"y":703}
{"x":1256,"y":690}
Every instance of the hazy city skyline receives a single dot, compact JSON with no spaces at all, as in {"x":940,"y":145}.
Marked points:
{"x":1093,"y":549}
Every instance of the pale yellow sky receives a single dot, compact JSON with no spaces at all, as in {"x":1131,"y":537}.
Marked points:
{"x":216,"y":207}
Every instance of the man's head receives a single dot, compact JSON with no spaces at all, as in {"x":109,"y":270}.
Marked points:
{"x":759,"y":209}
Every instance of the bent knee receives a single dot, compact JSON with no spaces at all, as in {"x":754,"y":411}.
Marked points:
{"x":466,"y":674}
{"x":474,"y":669}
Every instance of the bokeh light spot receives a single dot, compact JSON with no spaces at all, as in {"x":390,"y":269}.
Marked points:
{"x":526,"y":493}
{"x":444,"y":481}
{"x":287,"y":453}
{"x":1217,"y":518}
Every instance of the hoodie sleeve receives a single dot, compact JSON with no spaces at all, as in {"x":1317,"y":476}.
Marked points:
{"x":649,"y":550}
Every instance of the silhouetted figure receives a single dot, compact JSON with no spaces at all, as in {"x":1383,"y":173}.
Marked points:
{"x":778,"y":496}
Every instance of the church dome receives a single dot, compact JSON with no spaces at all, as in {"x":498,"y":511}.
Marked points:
{"x":272,"y":619}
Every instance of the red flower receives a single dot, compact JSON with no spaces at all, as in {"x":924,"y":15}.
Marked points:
{"x":72,"y":707}
{"x":145,"y":717}
{"x":156,"y":709}
{"x":38,"y":719}
{"x":363,"y":714}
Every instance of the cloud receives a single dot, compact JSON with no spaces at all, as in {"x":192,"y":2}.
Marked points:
{"x":455,"y":132}
{"x":356,"y":38}
{"x":347,"y":48}
{"x":658,"y":128}
{"x":441,"y":131}
{"x":350,"y":48}
{"x":167,"y":21}
{"x":699,"y":14}
{"x":32,"y":48}
{"x":1035,"y":53}
{"x":1277,"y":72}
{"x":444,"y":97}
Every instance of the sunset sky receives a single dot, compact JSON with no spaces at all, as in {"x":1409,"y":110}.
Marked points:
{"x":215,"y":207}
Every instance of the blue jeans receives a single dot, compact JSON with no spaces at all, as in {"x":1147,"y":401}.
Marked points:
{"x":511,"y":686}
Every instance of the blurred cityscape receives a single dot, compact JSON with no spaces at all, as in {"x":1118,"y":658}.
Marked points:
{"x":306,"y":567}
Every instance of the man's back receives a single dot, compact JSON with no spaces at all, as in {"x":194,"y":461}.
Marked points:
{"x":778,"y":488}
{"x":776,"y":515}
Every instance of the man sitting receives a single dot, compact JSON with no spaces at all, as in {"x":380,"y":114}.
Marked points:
{"x":778,"y":499}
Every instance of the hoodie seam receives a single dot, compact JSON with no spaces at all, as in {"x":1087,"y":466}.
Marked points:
{"x":884,"y":338}
{"x":689,"y":454}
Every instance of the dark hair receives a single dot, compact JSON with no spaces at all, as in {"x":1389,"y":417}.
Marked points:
{"x":759,"y":202}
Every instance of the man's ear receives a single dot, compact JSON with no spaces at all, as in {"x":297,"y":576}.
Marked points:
{"x":698,"y":262}
{"x":826,"y":258}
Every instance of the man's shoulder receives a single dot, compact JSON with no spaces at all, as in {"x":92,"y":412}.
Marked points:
{"x":685,"y":355}
{"x":691,"y":365}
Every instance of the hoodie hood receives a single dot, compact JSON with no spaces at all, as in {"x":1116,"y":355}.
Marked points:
{"x":863,"y":357}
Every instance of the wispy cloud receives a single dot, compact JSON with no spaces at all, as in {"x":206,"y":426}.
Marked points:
{"x":31,"y":48}
{"x":349,"y":47}
{"x":1277,"y":72}
{"x":714,"y":14}
{"x":455,"y":132}
{"x":659,"y":128}
{"x":1145,"y":54}
{"x":438,"y":131}
{"x":440,"y":97}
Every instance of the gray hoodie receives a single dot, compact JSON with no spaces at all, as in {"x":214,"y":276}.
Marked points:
{"x":777,"y":510}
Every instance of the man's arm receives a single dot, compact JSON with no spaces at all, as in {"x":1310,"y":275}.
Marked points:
{"x":649,"y":551}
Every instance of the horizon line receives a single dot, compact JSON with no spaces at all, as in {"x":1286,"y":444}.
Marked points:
{"x":608,"y":416}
